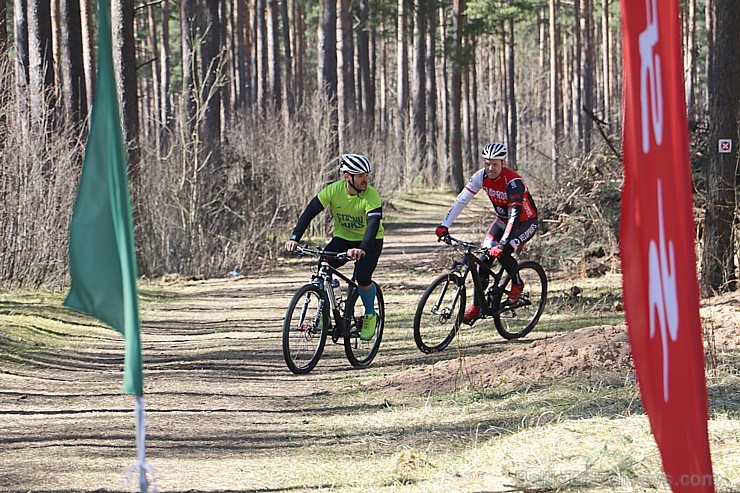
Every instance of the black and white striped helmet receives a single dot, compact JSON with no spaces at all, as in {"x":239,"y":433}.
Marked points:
{"x":355,"y":164}
{"x":494,"y":150}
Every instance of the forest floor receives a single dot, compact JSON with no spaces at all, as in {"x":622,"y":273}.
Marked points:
{"x":557,"y":411}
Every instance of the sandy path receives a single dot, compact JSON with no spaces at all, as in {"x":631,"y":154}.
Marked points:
{"x":218,"y":393}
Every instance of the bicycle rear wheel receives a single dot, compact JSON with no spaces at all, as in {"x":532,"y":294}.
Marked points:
{"x":439,"y":313}
{"x":361,"y":353}
{"x":305,"y":328}
{"x":518,"y":320}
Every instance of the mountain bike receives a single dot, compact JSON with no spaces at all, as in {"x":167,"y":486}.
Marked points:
{"x":318,"y":310}
{"x":440,"y":310}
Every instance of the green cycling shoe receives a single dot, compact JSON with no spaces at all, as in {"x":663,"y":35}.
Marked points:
{"x":369,"y":322}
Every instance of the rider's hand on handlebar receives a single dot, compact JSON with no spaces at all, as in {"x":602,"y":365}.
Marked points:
{"x":291,"y":245}
{"x":496,"y":251}
{"x":441,"y":232}
{"x":355,"y":253}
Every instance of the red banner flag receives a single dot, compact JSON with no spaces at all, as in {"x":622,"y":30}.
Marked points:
{"x":660,"y":287}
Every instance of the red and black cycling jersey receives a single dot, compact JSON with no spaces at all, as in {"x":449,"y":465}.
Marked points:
{"x":508,"y":190}
{"x":508,"y":194}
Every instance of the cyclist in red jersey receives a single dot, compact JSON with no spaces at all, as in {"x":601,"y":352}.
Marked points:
{"x":515,"y":222}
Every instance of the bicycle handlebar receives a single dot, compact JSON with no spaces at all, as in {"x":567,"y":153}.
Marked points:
{"x":472,"y":246}
{"x":318,"y":252}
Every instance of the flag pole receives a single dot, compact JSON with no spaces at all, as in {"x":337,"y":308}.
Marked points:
{"x":141,"y":443}
{"x":140,"y":464}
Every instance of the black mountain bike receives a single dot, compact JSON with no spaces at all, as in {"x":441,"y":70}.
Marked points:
{"x":440,"y":310}
{"x":308,"y":320}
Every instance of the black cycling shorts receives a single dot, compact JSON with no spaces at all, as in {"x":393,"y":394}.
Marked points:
{"x":364,"y":267}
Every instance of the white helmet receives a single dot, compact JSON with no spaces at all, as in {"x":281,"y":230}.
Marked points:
{"x":494,"y":150}
{"x":355,"y":164}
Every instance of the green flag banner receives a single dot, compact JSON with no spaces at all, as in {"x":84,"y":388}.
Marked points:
{"x":102,"y":259}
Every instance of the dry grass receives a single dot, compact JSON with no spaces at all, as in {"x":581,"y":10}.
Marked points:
{"x":224,"y":414}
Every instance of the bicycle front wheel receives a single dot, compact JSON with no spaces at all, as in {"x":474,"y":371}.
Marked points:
{"x":518,"y":320}
{"x":439,"y":313}
{"x":305,"y":329}
{"x":360,"y":353}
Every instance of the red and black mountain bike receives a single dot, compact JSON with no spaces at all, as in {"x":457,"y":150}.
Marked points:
{"x":440,"y":310}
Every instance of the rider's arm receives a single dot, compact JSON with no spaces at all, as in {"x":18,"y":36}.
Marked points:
{"x":463,"y":198}
{"x":311,"y":211}
{"x":373,"y":225}
{"x":515,"y":194}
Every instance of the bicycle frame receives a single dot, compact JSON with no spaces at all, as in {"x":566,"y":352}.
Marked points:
{"x":472,"y":263}
{"x":303,"y":344}
{"x":325,"y":274}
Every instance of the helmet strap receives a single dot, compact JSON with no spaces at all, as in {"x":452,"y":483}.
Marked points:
{"x":351,"y":183}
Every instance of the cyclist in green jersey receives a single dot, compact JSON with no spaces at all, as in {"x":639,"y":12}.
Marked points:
{"x":358,"y":228}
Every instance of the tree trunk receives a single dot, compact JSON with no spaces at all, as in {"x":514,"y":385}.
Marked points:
{"x":189,"y":79}
{"x":555,"y":109}
{"x":384,"y":113}
{"x":165,"y":111}
{"x":458,"y":21}
{"x":345,"y":86}
{"x":41,"y":62}
{"x":569,"y":92}
{"x":503,"y":85}
{"x":20,"y":23}
{"x":88,"y":50}
{"x":587,"y":73}
{"x":211,"y":92}
{"x":273,"y":55}
{"x":418,"y":81}
{"x":709,"y":27}
{"x":444,"y":90}
{"x":4,"y":75}
{"x":691,"y":52}
{"x":431,"y":89}
{"x":718,"y":265}
{"x":261,"y":56}
{"x":299,"y":35}
{"x":288,"y":97}
{"x":472,"y":70}
{"x":578,"y":40}
{"x":73,"y":79}
{"x":541,"y":79}
{"x":154,"y":122}
{"x":327,"y":65}
{"x":3,"y":29}
{"x":402,"y":71}
{"x":124,"y":61}
{"x":363,"y":58}
{"x":466,"y":121}
{"x":56,"y":43}
{"x":241,"y":55}
{"x":605,"y":54}
{"x":511,"y":96}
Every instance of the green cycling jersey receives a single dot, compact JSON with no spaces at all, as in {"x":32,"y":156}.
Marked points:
{"x":350,"y":211}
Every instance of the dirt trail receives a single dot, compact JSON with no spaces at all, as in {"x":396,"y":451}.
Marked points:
{"x":223,"y":411}
{"x":221,"y":404}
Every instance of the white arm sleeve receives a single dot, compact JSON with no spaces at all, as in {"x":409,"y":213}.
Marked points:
{"x":457,"y":206}
{"x":463,"y":198}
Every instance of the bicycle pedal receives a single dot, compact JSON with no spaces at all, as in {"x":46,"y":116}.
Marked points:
{"x":336,"y":335}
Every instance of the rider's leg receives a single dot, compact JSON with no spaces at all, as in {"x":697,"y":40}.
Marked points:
{"x":520,"y":236}
{"x":495,"y":232}
{"x":510,"y":264}
{"x":367,"y":294}
{"x":364,"y":269}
